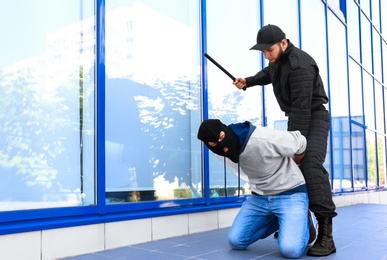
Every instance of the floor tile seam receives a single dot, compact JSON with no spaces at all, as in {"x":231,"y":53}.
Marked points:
{"x":181,"y":245}
{"x":146,"y":249}
{"x":360,"y":242}
{"x":267,"y":254}
{"x":167,"y":253}
{"x":164,"y":250}
{"x":346,"y":246}
{"x":204,"y":254}
{"x":102,"y":254}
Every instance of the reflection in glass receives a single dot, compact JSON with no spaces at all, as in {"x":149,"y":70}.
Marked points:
{"x":225,"y":101}
{"x":152,"y":101}
{"x":384,"y":59}
{"x":376,"y":14}
{"x":353,"y":30}
{"x":358,"y":157}
{"x":338,"y":86}
{"x":340,"y":136}
{"x":366,"y":52}
{"x":313,"y":27}
{"x":46,"y":96}
{"x":383,"y":13}
{"x":356,"y":91}
{"x":377,"y":55}
{"x":379,"y":109}
{"x":371,"y":160}
{"x":382,"y":160}
{"x":369,"y":102}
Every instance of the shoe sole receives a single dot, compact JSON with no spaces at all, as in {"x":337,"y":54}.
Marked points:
{"x":333,"y":251}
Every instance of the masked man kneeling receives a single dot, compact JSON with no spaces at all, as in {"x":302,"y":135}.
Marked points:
{"x":268,"y":160}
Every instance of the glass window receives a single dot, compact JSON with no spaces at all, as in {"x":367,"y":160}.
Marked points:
{"x":337,"y":67}
{"x":233,"y":35}
{"x":365,"y":6}
{"x":356,"y":92}
{"x":384,"y":61}
{"x":341,"y":153}
{"x":338,"y":87}
{"x":358,"y":157}
{"x":382,"y":160}
{"x":385,"y":107}
{"x":353,"y":30}
{"x":47,"y":101}
{"x":152,"y":101}
{"x":377,"y":55}
{"x":366,"y":51}
{"x":375,"y":14}
{"x":312,"y":28}
{"x":383,"y":17}
{"x":371,"y":160}
{"x":369,"y":102}
{"x":379,"y":111}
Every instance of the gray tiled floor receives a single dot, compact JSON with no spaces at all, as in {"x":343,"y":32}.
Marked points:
{"x":360,"y":232}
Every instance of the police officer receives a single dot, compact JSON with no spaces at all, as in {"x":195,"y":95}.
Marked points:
{"x":300,"y":93}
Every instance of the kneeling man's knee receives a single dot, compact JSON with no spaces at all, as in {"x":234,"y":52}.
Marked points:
{"x":236,"y":243}
{"x":291,"y":252}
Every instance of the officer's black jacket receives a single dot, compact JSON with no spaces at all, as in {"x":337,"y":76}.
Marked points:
{"x":297,"y":86}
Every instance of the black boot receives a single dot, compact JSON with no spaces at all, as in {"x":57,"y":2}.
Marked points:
{"x":324,"y":244}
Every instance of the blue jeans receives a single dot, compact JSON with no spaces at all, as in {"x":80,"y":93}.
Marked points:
{"x":261,"y":216}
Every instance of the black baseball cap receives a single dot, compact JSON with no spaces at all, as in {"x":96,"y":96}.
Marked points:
{"x":267,"y":36}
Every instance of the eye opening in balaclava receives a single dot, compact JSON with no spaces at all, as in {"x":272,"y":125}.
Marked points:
{"x":209,"y":131}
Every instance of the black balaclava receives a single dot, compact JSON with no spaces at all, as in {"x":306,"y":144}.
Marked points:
{"x":209,"y":131}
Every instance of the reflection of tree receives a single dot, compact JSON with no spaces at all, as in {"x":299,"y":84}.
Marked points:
{"x":227,"y":108}
{"x":34,"y":128}
{"x":40,"y":132}
{"x":168,"y":119}
{"x":374,"y":169}
{"x":382,"y":160}
{"x":371,"y":161}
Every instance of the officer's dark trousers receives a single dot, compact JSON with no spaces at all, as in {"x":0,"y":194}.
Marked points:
{"x":316,"y":176}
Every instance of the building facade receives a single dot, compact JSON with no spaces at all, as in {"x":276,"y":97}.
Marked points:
{"x":101,"y":102}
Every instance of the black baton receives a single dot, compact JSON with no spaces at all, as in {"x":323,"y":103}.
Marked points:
{"x":221,"y":67}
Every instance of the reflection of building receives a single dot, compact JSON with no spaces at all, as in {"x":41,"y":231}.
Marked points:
{"x":348,"y":165}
